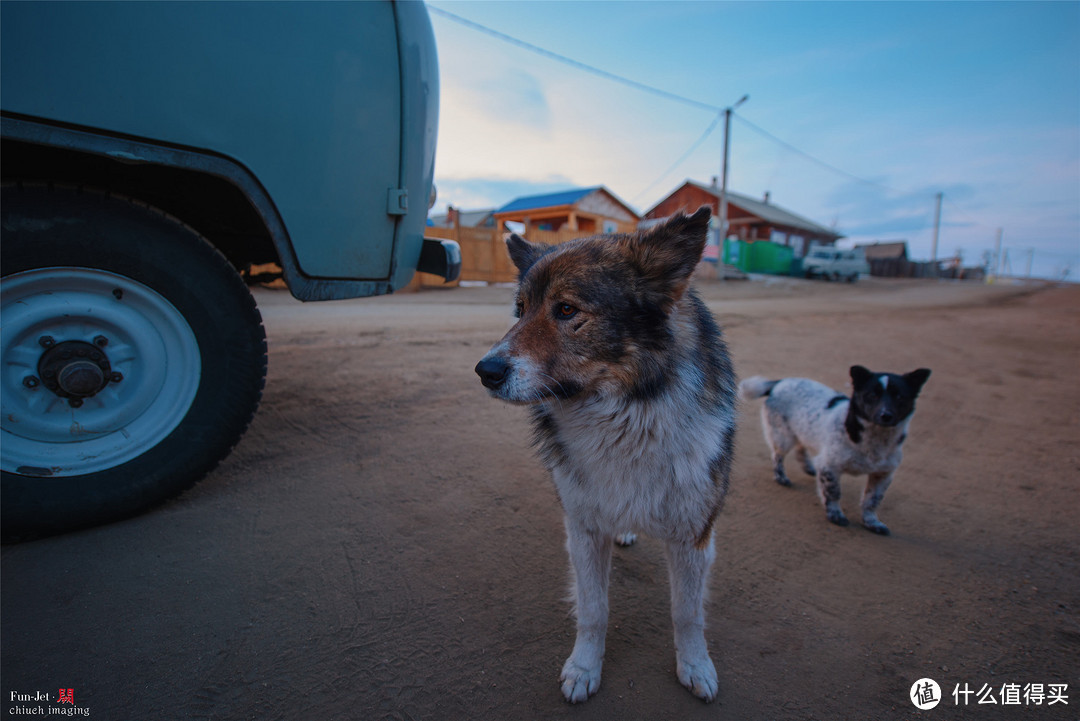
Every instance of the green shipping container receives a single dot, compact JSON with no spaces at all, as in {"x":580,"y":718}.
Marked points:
{"x":760,"y":256}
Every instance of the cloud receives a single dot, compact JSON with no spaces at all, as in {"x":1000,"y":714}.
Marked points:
{"x":511,"y":124}
{"x":597,"y":136}
{"x":510,"y":95}
{"x":490,"y":193}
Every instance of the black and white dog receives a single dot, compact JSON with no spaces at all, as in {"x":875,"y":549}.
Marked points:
{"x":833,"y":434}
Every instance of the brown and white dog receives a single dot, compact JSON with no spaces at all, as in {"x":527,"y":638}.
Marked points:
{"x":633,"y":403}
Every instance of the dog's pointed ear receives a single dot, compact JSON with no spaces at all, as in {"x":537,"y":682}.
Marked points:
{"x":860,"y":376}
{"x":916,"y":379}
{"x":523,"y":253}
{"x":670,"y":252}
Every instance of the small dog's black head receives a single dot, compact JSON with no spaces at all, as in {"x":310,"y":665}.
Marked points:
{"x":885,"y":399}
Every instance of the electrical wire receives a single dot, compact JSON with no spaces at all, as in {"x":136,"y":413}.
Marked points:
{"x":684,"y":156}
{"x":574,"y":63}
{"x":788,"y":146}
{"x":717,"y":110}
{"x":658,"y":92}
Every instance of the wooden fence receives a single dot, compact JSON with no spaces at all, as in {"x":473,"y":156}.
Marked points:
{"x":902,"y":268}
{"x":483,"y":252}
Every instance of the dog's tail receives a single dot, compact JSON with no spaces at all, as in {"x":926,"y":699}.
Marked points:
{"x":756,"y":387}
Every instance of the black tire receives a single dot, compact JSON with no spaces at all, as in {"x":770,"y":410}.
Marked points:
{"x":53,"y":235}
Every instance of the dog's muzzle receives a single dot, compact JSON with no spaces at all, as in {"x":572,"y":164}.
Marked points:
{"x":886,"y":417}
{"x":493,"y":372}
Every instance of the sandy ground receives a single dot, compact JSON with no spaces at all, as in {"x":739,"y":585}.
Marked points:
{"x":383,"y":543}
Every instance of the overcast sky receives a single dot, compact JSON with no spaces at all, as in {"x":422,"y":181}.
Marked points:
{"x":893,"y":102}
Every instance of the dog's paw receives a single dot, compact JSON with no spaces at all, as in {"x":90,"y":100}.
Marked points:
{"x":808,"y":469}
{"x":782,"y":480}
{"x":699,"y":677}
{"x":625,"y":539}
{"x":578,"y":682}
{"x":835,"y":515}
{"x":877,"y":527}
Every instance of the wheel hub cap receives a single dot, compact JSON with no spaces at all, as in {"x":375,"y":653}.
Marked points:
{"x":74,"y":369}
{"x":96,"y":369}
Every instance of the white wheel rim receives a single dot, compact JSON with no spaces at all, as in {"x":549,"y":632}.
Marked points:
{"x":148,"y":342}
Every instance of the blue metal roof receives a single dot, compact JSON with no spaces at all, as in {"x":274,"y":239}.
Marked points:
{"x":565,"y":197}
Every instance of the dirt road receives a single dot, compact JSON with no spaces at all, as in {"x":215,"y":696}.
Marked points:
{"x":383,"y":543}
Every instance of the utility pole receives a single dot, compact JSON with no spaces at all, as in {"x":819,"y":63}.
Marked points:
{"x":723,"y":170}
{"x":997,"y":254}
{"x":937,"y":225}
{"x":1030,"y":255}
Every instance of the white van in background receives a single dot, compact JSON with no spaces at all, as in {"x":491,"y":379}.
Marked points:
{"x":835,"y":263}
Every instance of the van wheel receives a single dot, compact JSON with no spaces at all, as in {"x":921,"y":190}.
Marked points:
{"x":133,"y":359}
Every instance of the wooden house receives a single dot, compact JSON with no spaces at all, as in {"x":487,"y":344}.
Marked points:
{"x":580,"y":211}
{"x":888,"y":259}
{"x":748,"y":219}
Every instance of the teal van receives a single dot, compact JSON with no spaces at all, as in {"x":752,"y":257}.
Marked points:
{"x":152,"y":154}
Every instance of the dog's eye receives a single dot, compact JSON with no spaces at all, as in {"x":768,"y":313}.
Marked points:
{"x":519,"y":310}
{"x":565,"y":311}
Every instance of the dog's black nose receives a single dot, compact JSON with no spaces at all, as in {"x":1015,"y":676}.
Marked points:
{"x":492,"y":372}
{"x":886,"y":418}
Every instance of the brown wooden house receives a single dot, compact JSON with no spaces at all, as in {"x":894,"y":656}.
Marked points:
{"x":748,"y":219}
{"x":886,"y":259}
{"x":583,"y":210}
{"x":890,"y":260}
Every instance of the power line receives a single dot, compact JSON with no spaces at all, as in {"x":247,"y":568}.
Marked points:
{"x":811,"y":158}
{"x":719,"y":111}
{"x":684,"y":156}
{"x":1067,"y":258}
{"x":574,"y":63}
{"x":958,"y":212}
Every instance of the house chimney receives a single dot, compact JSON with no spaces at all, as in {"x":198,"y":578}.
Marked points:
{"x":767,"y":197}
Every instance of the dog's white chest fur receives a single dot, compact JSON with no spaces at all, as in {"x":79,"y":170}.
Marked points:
{"x":641,"y":466}
{"x":878,"y":452}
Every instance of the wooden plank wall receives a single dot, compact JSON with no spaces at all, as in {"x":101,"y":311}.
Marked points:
{"x":483,"y":252}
